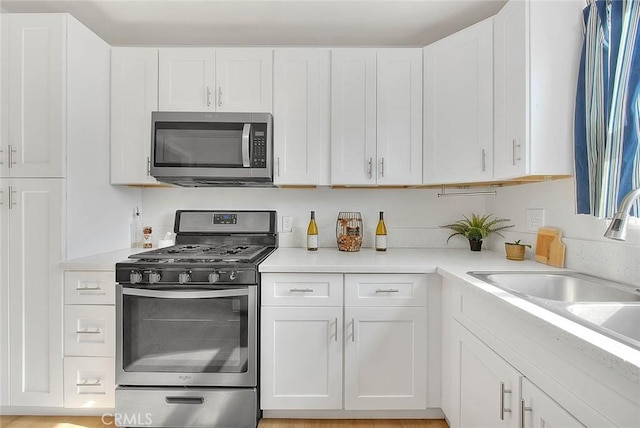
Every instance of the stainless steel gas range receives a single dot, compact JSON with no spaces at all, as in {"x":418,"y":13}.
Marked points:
{"x":187,"y":323}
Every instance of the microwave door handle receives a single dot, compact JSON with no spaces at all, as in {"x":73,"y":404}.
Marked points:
{"x":246,"y":160}
{"x":200,"y":294}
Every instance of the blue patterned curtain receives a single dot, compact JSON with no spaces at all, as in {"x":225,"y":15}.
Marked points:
{"x":607,"y":117}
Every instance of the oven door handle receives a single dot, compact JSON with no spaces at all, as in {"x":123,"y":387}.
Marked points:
{"x":246,"y":131}
{"x":186,"y":294}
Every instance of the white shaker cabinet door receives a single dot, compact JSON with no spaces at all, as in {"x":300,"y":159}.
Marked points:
{"x":385,"y":358}
{"x":488,"y":385}
{"x":301,"y":358}
{"x":539,"y":410}
{"x":353,"y":117}
{"x":35,"y":299}
{"x":37,"y":72}
{"x":4,"y":291}
{"x":399,"y":117}
{"x":301,"y":109}
{"x":458,"y":107}
{"x":244,"y":80}
{"x":186,"y":79}
{"x":134,"y":95}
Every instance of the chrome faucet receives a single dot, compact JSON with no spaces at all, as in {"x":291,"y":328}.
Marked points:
{"x":618,"y":227}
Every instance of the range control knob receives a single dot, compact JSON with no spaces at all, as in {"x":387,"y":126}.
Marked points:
{"x":214,"y":277}
{"x":154,"y":277}
{"x":184,"y":277}
{"x":135,"y":277}
{"x":233,"y":275}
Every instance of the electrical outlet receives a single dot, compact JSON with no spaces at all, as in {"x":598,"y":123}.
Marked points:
{"x":287,"y":224}
{"x":535,"y":219}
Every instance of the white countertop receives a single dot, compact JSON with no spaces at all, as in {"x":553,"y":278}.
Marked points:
{"x":455,"y":263}
{"x":104,"y":261}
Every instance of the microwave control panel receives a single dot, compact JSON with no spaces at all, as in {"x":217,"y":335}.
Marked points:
{"x":259,"y":145}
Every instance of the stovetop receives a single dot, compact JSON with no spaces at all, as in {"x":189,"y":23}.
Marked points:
{"x":200,"y":253}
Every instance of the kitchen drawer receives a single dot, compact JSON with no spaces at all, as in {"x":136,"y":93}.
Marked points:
{"x":89,"y":287}
{"x":301,"y":289}
{"x":89,"y":330}
{"x":385,"y":290}
{"x":89,"y":382}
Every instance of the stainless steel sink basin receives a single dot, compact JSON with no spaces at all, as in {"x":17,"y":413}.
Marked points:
{"x":621,"y":319}
{"x":610,"y":308}
{"x":560,"y":286}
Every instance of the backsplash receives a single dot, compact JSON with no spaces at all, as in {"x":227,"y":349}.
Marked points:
{"x":412,"y":216}
{"x":587,"y":249}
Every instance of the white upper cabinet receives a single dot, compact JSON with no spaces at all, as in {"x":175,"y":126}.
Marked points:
{"x":134,"y":95}
{"x":301,"y":110}
{"x":36,"y":88}
{"x":537,"y":49}
{"x":399,"y":116}
{"x":376,"y":117}
{"x":204,"y":79}
{"x":458,"y":106}
{"x":186,"y":79}
{"x":244,"y":79}
{"x":353,"y":116}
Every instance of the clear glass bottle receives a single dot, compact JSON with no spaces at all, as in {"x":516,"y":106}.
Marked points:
{"x":136,"y":229}
{"x":312,"y":233}
{"x":381,"y":234}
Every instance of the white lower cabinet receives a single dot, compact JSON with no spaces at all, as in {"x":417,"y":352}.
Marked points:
{"x":494,"y":394}
{"x":89,"y":339}
{"x":308,"y":335}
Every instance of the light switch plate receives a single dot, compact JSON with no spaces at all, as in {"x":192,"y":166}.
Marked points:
{"x":287,"y":224}
{"x":535,"y":219}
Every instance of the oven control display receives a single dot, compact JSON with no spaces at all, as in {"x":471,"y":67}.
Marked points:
{"x":225,"y":218}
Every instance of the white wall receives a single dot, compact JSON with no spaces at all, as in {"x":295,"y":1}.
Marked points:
{"x":587,"y":250}
{"x":412,"y":216}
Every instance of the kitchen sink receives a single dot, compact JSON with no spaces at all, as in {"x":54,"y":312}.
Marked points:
{"x":610,"y":308}
{"x":619,"y":318}
{"x":561,"y":286}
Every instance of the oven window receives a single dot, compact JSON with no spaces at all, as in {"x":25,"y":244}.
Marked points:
{"x":180,"y":144}
{"x":185,"y":335}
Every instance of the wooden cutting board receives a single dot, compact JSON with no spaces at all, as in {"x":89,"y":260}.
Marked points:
{"x":549,"y":247}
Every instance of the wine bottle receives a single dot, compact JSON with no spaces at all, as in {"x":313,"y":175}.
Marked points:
{"x":381,"y":235}
{"x":312,"y":233}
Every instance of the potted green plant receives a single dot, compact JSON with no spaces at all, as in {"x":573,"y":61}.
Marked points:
{"x":515,"y":250}
{"x":477,"y":228}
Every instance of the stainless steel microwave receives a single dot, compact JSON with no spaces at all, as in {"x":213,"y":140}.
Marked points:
{"x":200,"y":149}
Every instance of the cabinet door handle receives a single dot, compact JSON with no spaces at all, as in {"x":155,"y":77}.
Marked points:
{"x":514,"y":146}
{"x":336,"y":329}
{"x":98,"y":382}
{"x":89,"y":288}
{"x":523,"y":409}
{"x":1,"y":162}
{"x":353,"y":330}
{"x":484,"y":160}
{"x":12,"y":152}
{"x":12,"y":202}
{"x":278,"y":166}
{"x":370,"y":168}
{"x":387,"y":290}
{"x":87,"y":331}
{"x":301,"y":290}
{"x":502,"y":409}
{"x":208,"y":96}
{"x":219,"y":96}
{"x":382,"y":167}
{"x":148,"y":166}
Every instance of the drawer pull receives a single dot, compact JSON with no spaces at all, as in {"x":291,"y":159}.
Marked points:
{"x":502,"y":409}
{"x":86,"y":383}
{"x":301,"y":290}
{"x":184,"y":400}
{"x":387,"y":290}
{"x":87,"y":331}
{"x":89,"y":288}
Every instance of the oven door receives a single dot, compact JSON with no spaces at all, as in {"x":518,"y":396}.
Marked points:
{"x":203,"y":337}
